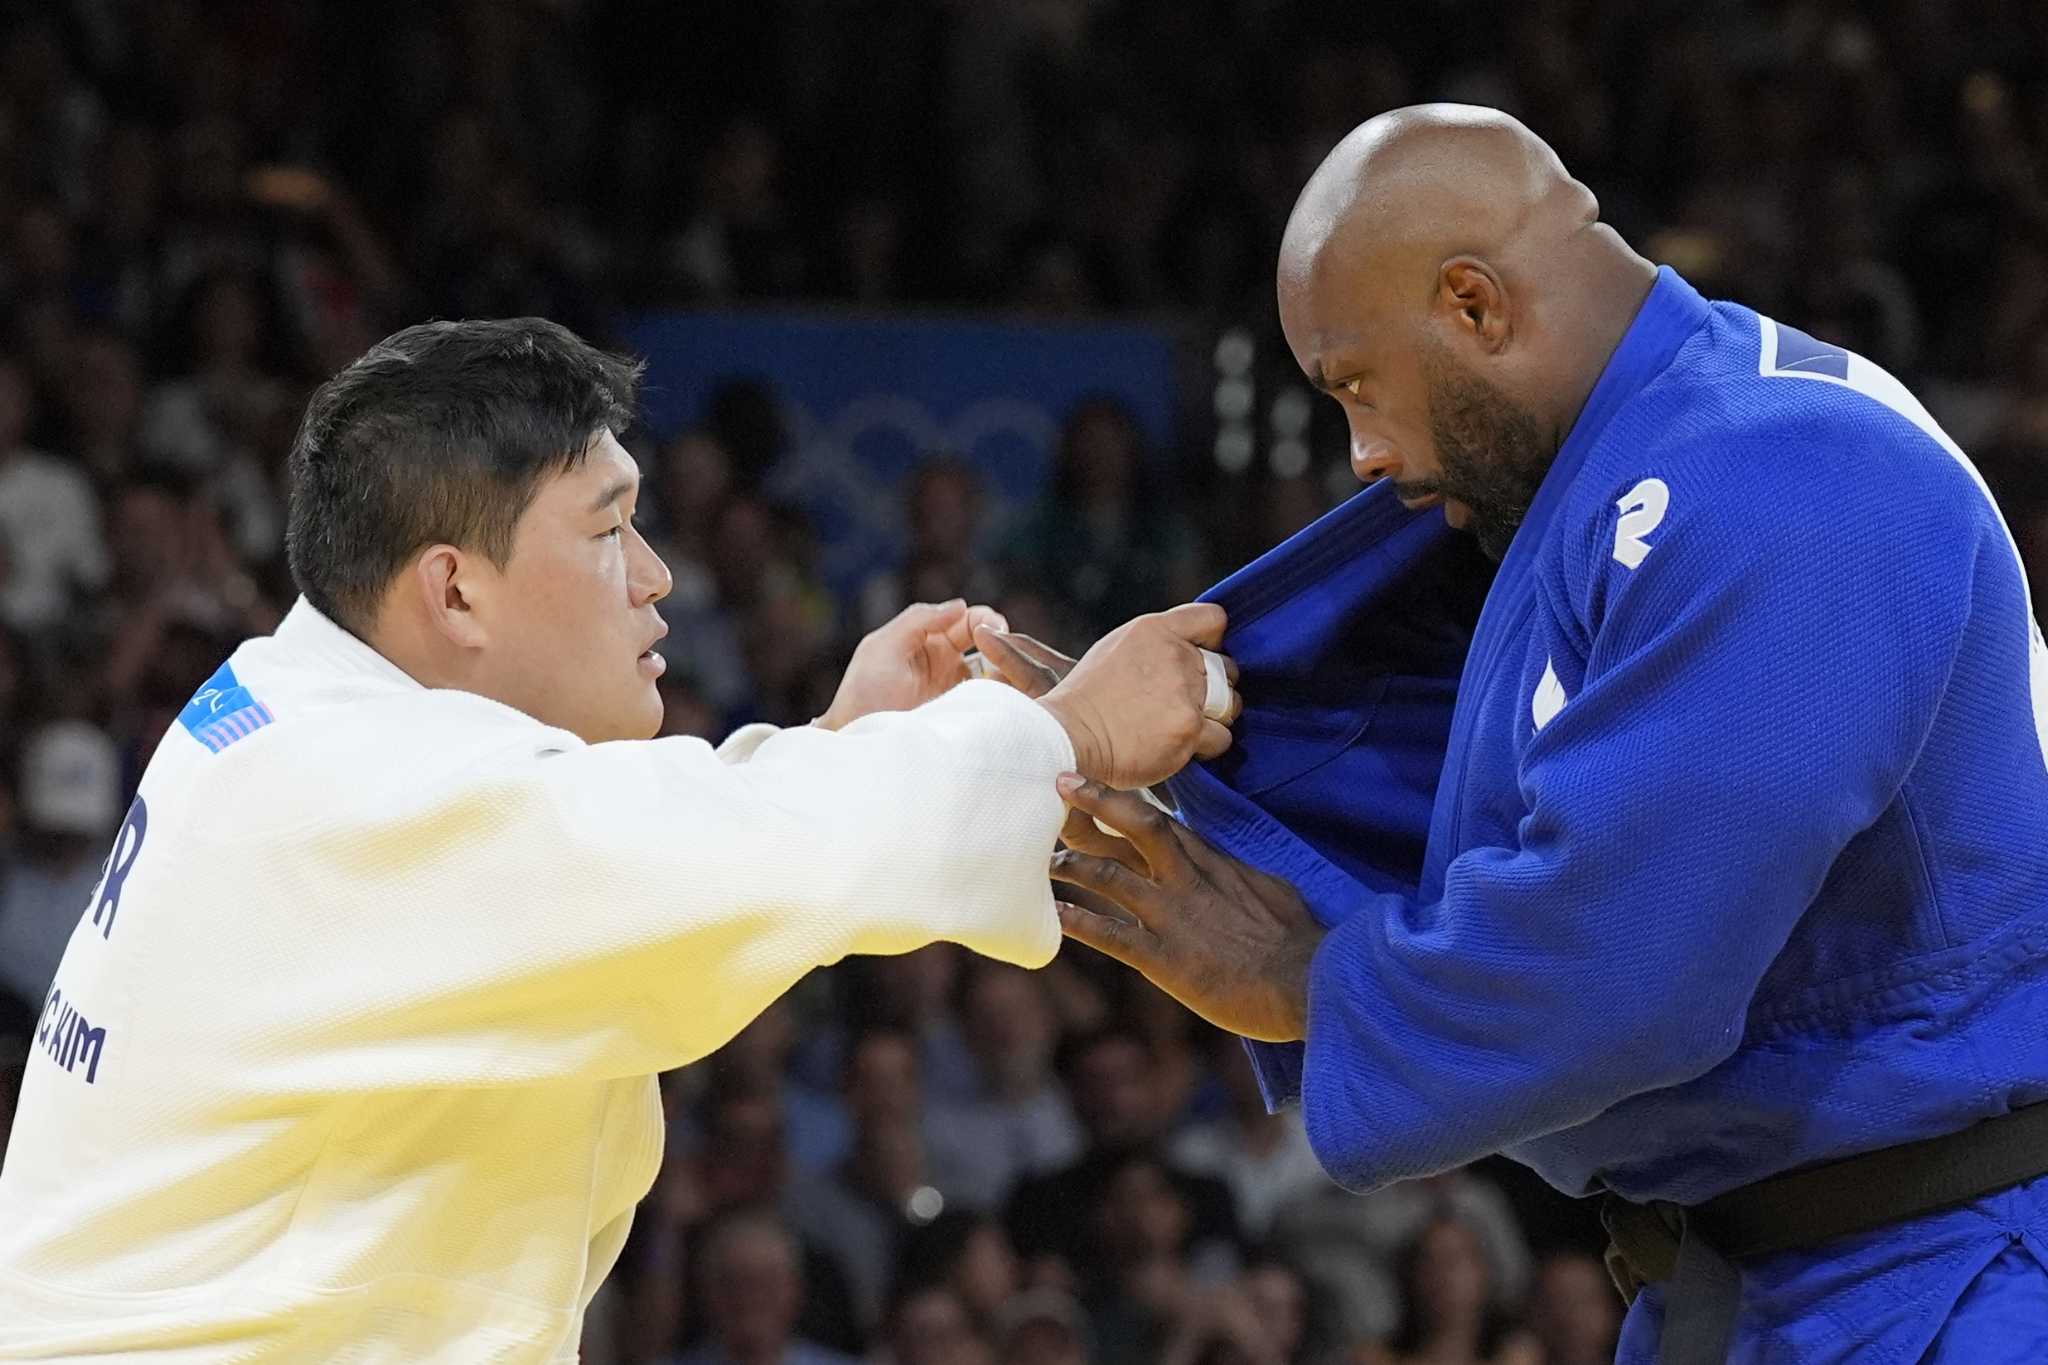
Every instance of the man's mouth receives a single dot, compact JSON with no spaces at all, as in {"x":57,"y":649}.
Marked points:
{"x":650,"y":659}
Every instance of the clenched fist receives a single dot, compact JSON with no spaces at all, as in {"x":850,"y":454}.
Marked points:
{"x":1133,"y":704}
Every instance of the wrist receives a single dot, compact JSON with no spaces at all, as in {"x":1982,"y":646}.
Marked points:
{"x":1079,"y":733}
{"x":1295,"y":985}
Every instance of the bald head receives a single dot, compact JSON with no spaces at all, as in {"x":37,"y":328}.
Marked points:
{"x":1430,"y":182}
{"x":1446,"y":279}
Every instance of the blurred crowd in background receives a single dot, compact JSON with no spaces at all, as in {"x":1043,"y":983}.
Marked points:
{"x":207,"y":208}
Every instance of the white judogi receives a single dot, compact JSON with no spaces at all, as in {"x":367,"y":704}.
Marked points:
{"x":351,"y":1056}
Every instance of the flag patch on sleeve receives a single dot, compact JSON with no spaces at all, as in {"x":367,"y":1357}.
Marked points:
{"x":223,"y":711}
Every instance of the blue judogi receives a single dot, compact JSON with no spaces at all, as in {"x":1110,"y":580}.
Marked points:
{"x":1713,"y":844}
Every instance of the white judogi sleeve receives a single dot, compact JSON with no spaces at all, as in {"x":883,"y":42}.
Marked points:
{"x":619,"y":909}
{"x":351,"y":1055}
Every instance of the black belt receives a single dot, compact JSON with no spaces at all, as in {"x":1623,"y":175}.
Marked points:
{"x":1694,"y":1248}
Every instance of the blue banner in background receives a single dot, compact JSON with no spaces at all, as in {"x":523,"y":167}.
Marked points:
{"x":867,"y":399}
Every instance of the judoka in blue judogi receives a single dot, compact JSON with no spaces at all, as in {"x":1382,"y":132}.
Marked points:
{"x":1704,"y":842}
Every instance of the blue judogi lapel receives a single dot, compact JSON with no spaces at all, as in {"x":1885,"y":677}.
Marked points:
{"x":1349,"y":639}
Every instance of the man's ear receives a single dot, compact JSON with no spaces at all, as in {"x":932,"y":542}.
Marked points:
{"x":450,"y":585}
{"x":1476,"y":301}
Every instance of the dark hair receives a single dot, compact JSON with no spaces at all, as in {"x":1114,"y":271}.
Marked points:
{"x":439,"y":433}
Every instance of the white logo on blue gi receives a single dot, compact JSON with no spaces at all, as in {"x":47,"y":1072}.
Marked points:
{"x":1549,"y":698}
{"x":1642,"y":511}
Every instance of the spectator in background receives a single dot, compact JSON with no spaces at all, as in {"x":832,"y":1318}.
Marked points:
{"x":1453,"y":1312}
{"x":1348,"y":1245}
{"x":912,"y":992}
{"x":214,"y":422}
{"x":1279,"y":1298}
{"x":40,"y":254}
{"x":1011,"y":1030}
{"x":117,"y":274}
{"x":174,"y":566}
{"x":102,"y":402}
{"x":931,"y":1326}
{"x":337,"y":279}
{"x":1104,"y":539}
{"x":488,"y":244}
{"x":868,"y":253}
{"x":693,"y":481}
{"x":1149,"y":1271}
{"x":693,"y":478}
{"x":1225,"y":1327}
{"x":1108,"y":1073}
{"x":1264,"y":1158}
{"x":49,"y":519}
{"x":815,"y":1128}
{"x":731,"y":1160}
{"x":212,"y":226}
{"x":70,"y":805}
{"x":1044,"y":1327}
{"x":787,"y":619}
{"x":686,"y":710}
{"x":739,"y":242}
{"x":754,"y":1292}
{"x":215,"y":411}
{"x":965,"y":1254}
{"x":1183,"y":1083}
{"x":1574,"y":1313}
{"x":942,"y":508}
{"x":907,"y":1163}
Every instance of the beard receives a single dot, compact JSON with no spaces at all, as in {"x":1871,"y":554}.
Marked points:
{"x":1491,"y":451}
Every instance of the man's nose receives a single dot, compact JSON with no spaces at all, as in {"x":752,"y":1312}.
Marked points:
{"x":1373,"y":459}
{"x":653,"y":581}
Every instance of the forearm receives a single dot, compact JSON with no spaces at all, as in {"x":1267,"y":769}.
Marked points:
{"x":946,"y":816}
{"x":625,"y":908}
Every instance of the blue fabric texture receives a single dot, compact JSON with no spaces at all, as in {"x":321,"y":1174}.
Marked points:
{"x":1707,"y":841}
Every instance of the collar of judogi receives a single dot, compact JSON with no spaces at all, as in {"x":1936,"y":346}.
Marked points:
{"x":1672,"y":312}
{"x":309,"y":632}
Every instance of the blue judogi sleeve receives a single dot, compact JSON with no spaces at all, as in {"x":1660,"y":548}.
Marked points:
{"x":1744,"y":701}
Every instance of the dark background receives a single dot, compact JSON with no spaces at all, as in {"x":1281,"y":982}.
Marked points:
{"x":206,"y":208}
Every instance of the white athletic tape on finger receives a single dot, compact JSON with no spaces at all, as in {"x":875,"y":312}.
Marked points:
{"x":1216,"y":702}
{"x":979,"y":668}
{"x":1145,"y":793}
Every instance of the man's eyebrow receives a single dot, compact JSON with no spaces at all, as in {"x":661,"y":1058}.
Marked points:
{"x":613,"y":491}
{"x":1320,"y":377}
